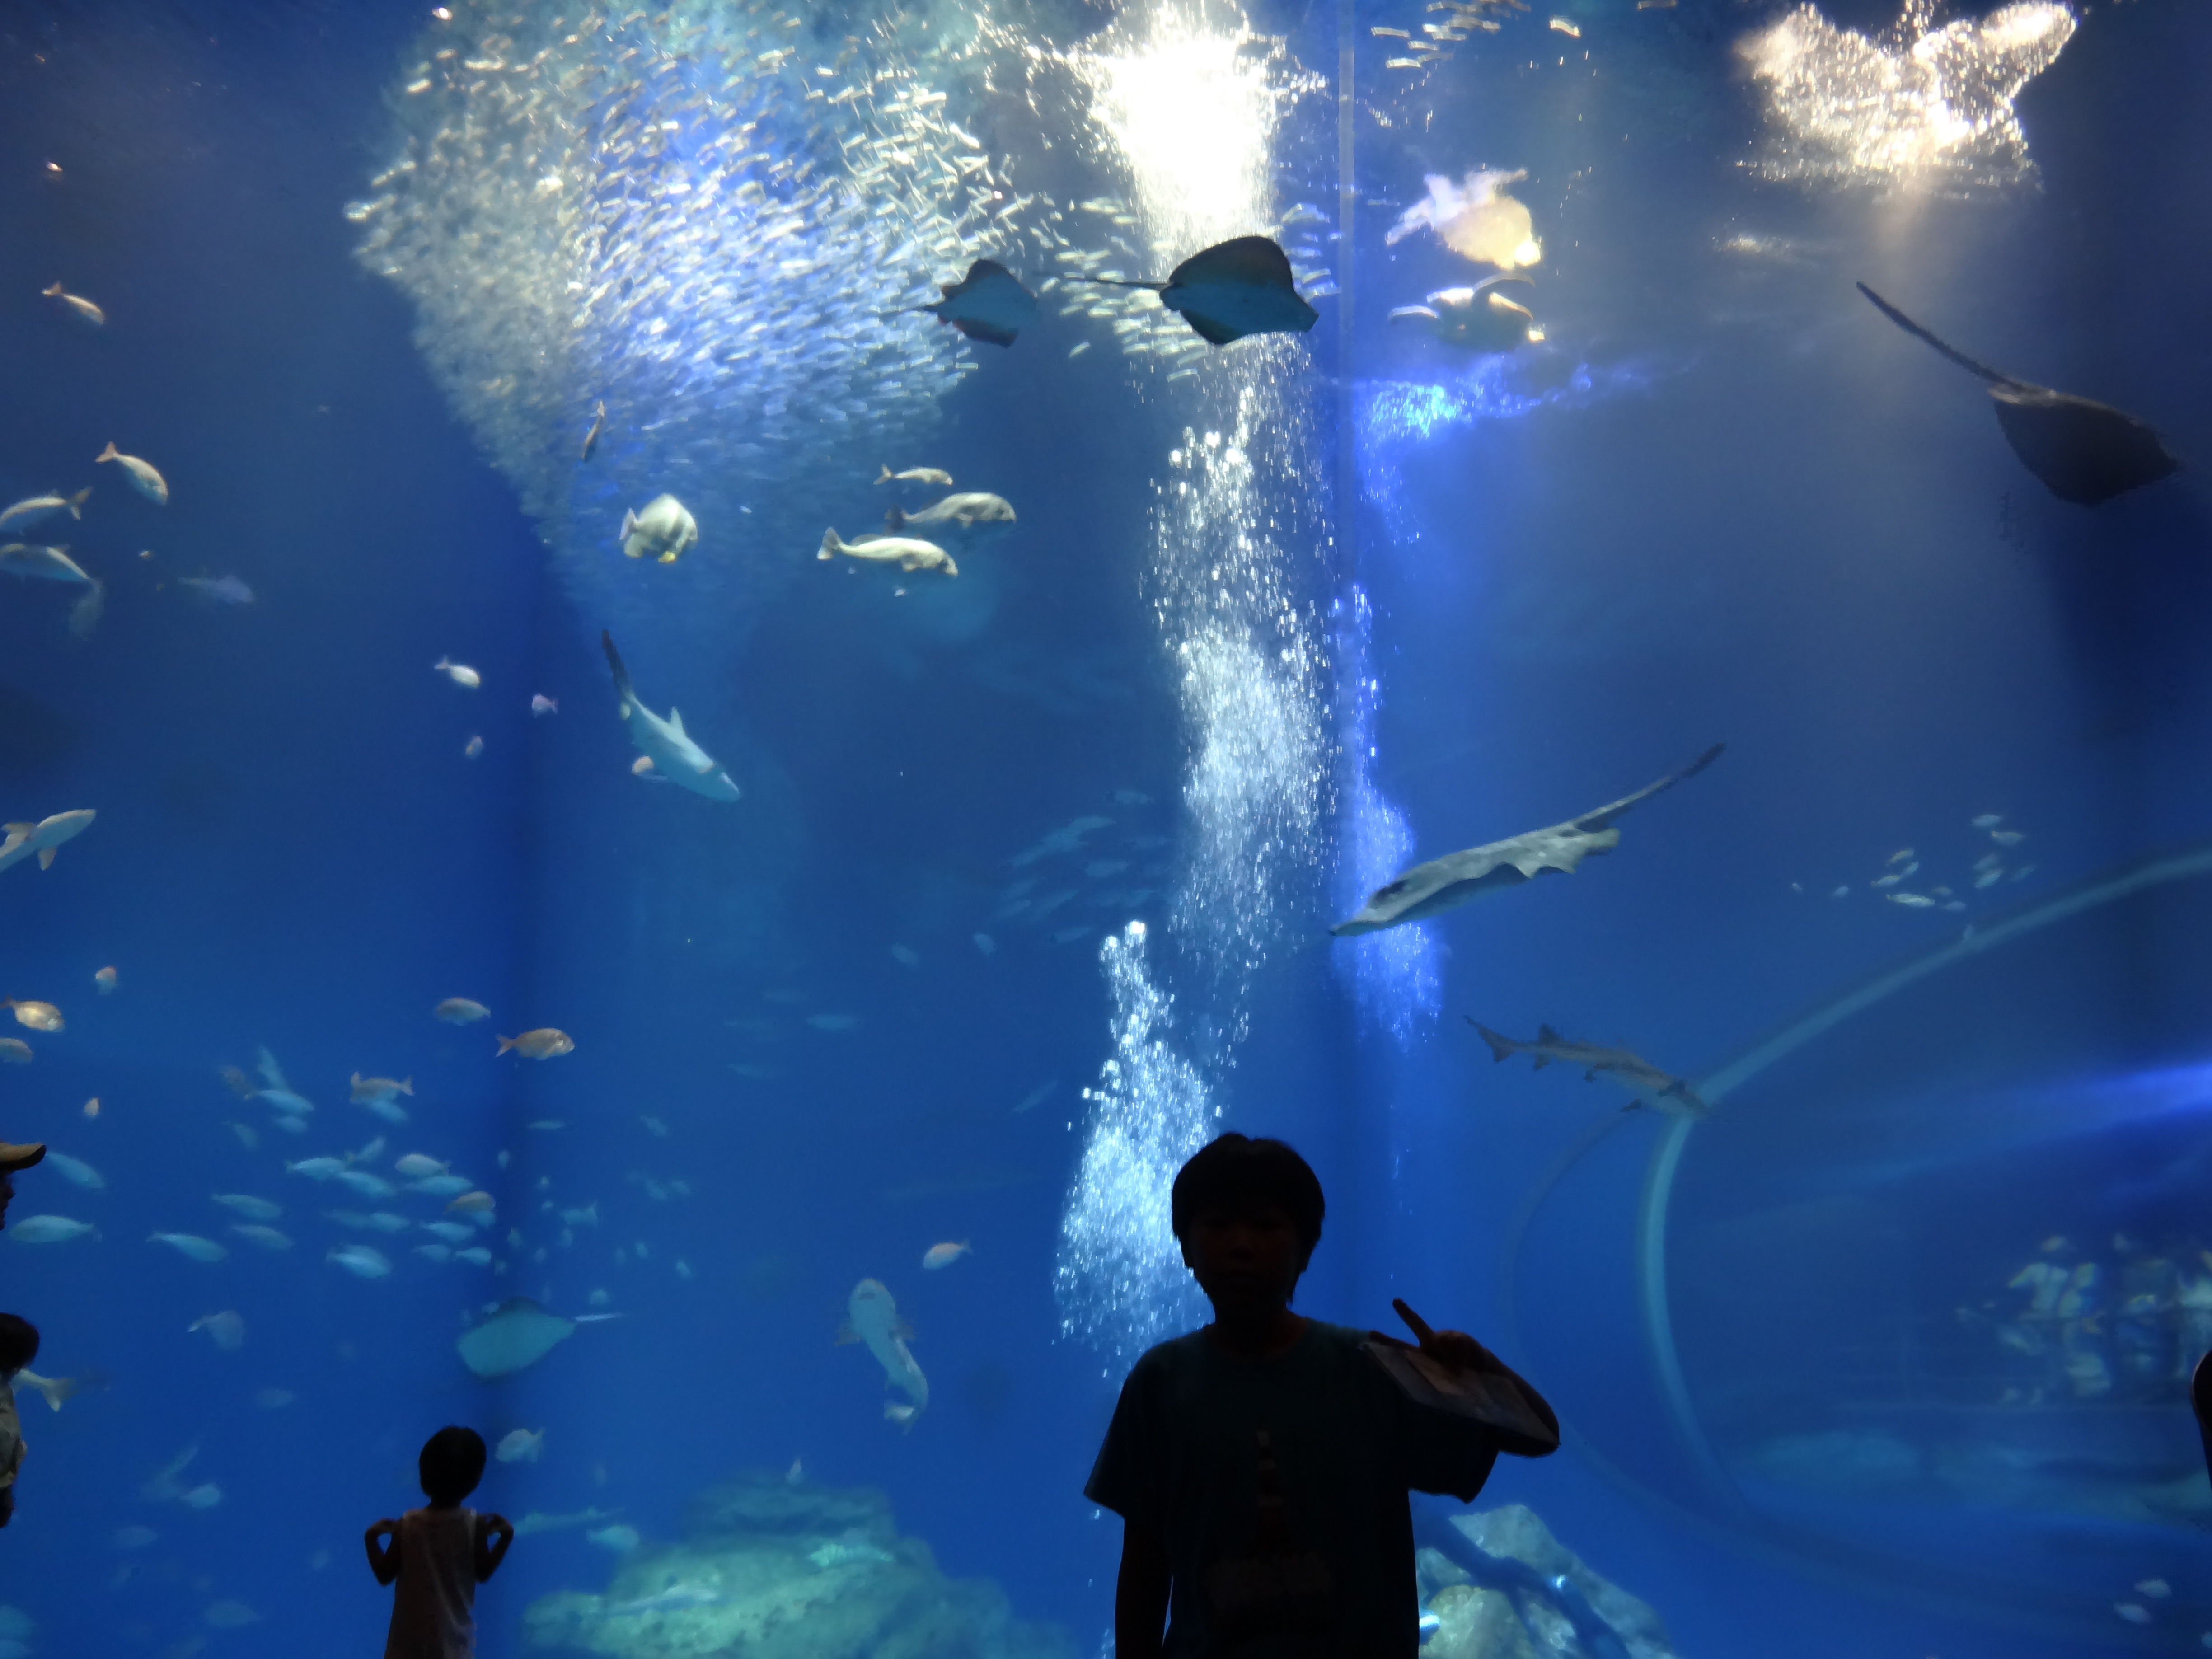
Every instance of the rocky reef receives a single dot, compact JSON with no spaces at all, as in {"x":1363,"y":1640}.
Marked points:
{"x":1501,"y":1586}
{"x":773,"y":1568}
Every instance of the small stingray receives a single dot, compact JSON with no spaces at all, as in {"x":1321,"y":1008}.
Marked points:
{"x":2084,"y":452}
{"x":1479,"y":317}
{"x":519,"y":1334}
{"x":1238,"y":288}
{"x":1447,"y":883}
{"x":987,"y":304}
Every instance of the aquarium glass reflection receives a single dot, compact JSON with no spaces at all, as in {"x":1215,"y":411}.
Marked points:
{"x":686,"y":691}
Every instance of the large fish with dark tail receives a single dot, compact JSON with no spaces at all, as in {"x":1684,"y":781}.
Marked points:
{"x":669,"y":752}
{"x":2085,"y":453}
{"x":1630,"y":1071}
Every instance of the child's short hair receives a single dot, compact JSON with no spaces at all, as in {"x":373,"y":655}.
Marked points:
{"x":452,"y":1463}
{"x":1238,"y":1173}
{"x":19,"y":1342}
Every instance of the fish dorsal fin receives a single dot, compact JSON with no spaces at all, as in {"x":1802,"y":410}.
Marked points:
{"x":1254,"y":260}
{"x":18,"y":829}
{"x":675,"y":721}
{"x":1546,"y":1034}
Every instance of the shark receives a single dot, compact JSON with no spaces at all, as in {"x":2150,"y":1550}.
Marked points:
{"x":988,"y":304}
{"x":1447,"y":883}
{"x":1240,"y":287}
{"x":669,"y":752}
{"x":2085,"y":453}
{"x":23,"y":839}
{"x":1632,"y":1072}
{"x":871,"y":1317}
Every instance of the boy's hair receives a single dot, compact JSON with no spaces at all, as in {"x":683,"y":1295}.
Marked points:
{"x":1236,"y":1173}
{"x":19,"y":1342}
{"x":452,"y":1463}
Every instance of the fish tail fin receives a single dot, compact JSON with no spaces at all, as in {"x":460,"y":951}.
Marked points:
{"x":110,"y":453}
{"x":47,"y":857}
{"x":621,"y":673}
{"x":895,"y":520}
{"x":629,"y":523}
{"x":407,"y":1086}
{"x":77,"y":502}
{"x":831,"y":545}
{"x":884,"y":474}
{"x":1919,"y":333}
{"x":505,"y":1043}
{"x":53,"y":292}
{"x":1501,"y":1047}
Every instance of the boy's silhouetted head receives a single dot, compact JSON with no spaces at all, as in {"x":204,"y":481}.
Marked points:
{"x":19,"y":1344}
{"x":1239,"y":1175}
{"x":452,"y":1463}
{"x":1248,"y":1214}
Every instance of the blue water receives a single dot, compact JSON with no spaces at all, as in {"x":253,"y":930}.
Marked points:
{"x":1723,"y":501}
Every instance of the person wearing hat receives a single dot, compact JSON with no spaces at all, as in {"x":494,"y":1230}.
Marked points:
{"x":12,"y":1158}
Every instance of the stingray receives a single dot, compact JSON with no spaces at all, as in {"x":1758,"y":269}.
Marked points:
{"x":518,"y":1335}
{"x":2084,"y":452}
{"x":1447,"y":883}
{"x":1232,"y":289}
{"x":988,"y":304}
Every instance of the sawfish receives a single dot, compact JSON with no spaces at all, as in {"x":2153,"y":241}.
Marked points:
{"x":2086,"y":452}
{"x":1234,"y":289}
{"x":988,"y":304}
{"x":1632,"y":1072}
{"x":1447,"y":883}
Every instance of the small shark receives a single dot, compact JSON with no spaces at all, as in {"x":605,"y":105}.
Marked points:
{"x":1447,"y":883}
{"x":1236,"y":288}
{"x":2085,"y":453}
{"x":667,"y":747}
{"x":43,"y":837}
{"x":871,"y":1317}
{"x":1632,"y":1072}
{"x":51,"y":564}
{"x":988,"y":304}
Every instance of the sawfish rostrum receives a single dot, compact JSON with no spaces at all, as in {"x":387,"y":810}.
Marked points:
{"x":1447,"y":883}
{"x":2084,"y":452}
{"x":1236,"y":288}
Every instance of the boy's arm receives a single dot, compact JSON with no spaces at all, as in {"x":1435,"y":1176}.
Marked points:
{"x":1459,"y":1351}
{"x":1140,"y":1594}
{"x":383,"y":1559}
{"x":493,"y":1534}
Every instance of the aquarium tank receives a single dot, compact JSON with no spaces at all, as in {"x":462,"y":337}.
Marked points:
{"x":686,"y":690}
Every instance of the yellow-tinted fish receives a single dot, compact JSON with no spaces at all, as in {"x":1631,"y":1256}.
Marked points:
{"x":460,"y":1010}
{"x":545,"y":1044}
{"x":366,"y":1089}
{"x":83,"y":308}
{"x":144,"y":479}
{"x":38,"y":1016}
{"x":944,"y":1255}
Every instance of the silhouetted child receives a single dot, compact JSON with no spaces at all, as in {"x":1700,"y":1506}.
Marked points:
{"x":19,"y":1346}
{"x":440,"y":1553}
{"x":1260,"y":1465}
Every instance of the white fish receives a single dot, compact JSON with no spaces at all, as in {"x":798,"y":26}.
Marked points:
{"x":218,"y":590}
{"x":368,"y":1185}
{"x":227,"y":1329}
{"x":53,"y":1390}
{"x":205,"y":1496}
{"x":2134,"y":1612}
{"x":666,"y":743}
{"x":267,"y":1237}
{"x":476,"y":1256}
{"x":871,"y":1317}
{"x":908,"y":552}
{"x":28,"y":511}
{"x":51,"y":1230}
{"x":944,"y":1255}
{"x":619,"y":1538}
{"x":49,"y":564}
{"x":2008,"y":837}
{"x":75,"y":1171}
{"x":361,"y":1260}
{"x":83,"y":309}
{"x":189,"y":1245}
{"x":417,"y":1167}
{"x":971,"y":510}
{"x":453,"y":1232}
{"x":520,"y":1446}
{"x":935,"y":477}
{"x":440,"y":1186}
{"x":1910,"y":901}
{"x":475,"y":1203}
{"x":144,"y":479}
{"x":541,"y":704}
{"x":460,"y":673}
{"x":2156,"y":1589}
{"x":986,"y":943}
{"x":1989,"y":820}
{"x":316,"y":1168}
{"x":665,"y":528}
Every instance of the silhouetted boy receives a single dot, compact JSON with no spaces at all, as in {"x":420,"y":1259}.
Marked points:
{"x":19,"y":1346}
{"x":440,"y":1553}
{"x":1260,"y":1465}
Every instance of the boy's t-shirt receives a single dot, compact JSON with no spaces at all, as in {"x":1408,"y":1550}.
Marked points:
{"x":433,"y":1600}
{"x":1277,"y":1488}
{"x":11,"y":1432}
